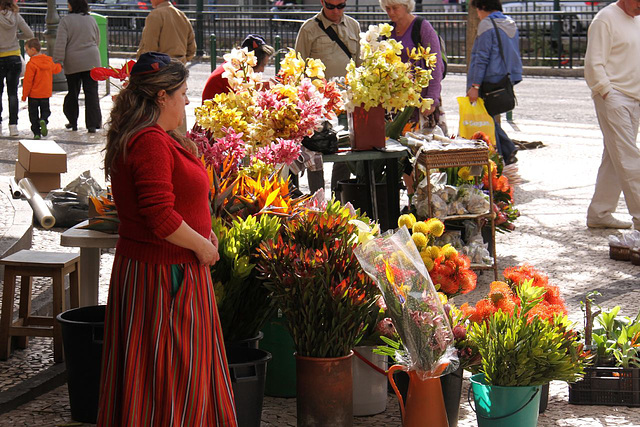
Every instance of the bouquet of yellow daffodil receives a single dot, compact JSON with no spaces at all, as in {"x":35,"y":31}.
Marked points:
{"x":268,"y":121}
{"x":383,"y":79}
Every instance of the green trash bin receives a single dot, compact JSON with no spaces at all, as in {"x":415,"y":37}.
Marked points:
{"x":104,"y":39}
{"x":281,"y":375}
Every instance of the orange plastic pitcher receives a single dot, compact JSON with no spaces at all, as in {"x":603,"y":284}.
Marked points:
{"x":425,"y":404}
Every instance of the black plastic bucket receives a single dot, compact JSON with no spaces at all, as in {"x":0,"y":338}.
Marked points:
{"x":248,"y":370}
{"x":357,"y":193}
{"x":253,"y":342}
{"x":82,"y":335}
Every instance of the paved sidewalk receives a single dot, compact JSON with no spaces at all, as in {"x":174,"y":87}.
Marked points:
{"x":557,"y":184}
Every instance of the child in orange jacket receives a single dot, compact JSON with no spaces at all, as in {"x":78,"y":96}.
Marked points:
{"x":38,"y":86}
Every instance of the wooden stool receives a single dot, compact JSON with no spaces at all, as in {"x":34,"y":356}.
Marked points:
{"x":28,"y":264}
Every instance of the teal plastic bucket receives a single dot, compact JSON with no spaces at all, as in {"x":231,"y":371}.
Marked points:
{"x":497,"y":406}
{"x":281,"y":375}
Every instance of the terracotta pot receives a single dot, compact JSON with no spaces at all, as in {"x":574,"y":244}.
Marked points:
{"x":366,"y":128}
{"x":324,"y":391}
{"x":425,"y":404}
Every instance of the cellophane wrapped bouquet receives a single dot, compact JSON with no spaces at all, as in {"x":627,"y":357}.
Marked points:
{"x":393,"y":261}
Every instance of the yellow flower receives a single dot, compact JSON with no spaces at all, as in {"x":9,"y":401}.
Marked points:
{"x":464,"y":173}
{"x":426,"y":258}
{"x":435,"y":251}
{"x":448,"y":251}
{"x":435,"y":226}
{"x":407,"y":220}
{"x":315,"y":68}
{"x":443,"y":298}
{"x":420,"y":227}
{"x":385,"y":30}
{"x":419,"y":239}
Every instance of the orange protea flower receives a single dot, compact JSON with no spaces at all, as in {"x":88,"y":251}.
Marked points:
{"x":498,"y":291}
{"x":468,"y":280}
{"x":453,"y":274}
{"x":484,"y":309}
{"x":518,"y":275}
{"x":483,"y":136}
{"x":448,"y":286}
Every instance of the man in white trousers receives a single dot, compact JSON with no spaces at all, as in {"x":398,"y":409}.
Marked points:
{"x":612,"y":65}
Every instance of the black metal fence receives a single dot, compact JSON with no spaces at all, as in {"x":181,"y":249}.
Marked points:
{"x":551,"y":39}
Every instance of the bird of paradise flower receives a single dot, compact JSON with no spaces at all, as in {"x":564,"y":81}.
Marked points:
{"x":399,"y":289}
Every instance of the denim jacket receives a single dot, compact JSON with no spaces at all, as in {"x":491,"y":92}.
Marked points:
{"x":486,"y":62}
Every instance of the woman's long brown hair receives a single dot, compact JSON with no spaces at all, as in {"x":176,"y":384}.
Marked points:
{"x":136,"y":108}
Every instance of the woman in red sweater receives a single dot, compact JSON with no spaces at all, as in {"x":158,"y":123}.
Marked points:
{"x":164,"y":358}
{"x":253,"y":43}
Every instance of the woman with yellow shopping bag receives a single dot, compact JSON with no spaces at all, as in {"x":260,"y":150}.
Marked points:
{"x":495,"y":54}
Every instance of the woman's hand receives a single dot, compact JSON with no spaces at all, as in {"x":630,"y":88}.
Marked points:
{"x":205,"y":249}
{"x":207,"y":253}
{"x":472,"y":93}
{"x":214,"y":239}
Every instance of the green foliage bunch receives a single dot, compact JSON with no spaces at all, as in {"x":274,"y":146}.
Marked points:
{"x":243,"y":300}
{"x":317,"y":282}
{"x":521,"y":351}
{"x":617,"y":339}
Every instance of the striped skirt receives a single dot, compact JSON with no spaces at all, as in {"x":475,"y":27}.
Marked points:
{"x":164,"y":361}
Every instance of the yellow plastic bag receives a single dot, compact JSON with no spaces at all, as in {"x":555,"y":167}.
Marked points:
{"x":474,"y":118}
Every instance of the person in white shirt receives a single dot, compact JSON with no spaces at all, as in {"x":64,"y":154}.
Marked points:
{"x":611,"y":69}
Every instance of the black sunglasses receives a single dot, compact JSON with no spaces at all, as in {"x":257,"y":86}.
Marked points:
{"x":335,"y":6}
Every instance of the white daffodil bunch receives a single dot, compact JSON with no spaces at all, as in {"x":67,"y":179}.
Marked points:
{"x":383,"y":79}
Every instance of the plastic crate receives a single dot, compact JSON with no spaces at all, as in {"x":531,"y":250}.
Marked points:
{"x":607,"y":386}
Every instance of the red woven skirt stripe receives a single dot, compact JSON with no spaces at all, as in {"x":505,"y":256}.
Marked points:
{"x":163,"y":360}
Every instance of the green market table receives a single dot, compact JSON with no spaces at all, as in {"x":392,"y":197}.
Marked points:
{"x":390,"y":155}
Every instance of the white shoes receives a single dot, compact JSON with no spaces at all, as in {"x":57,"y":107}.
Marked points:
{"x":609,"y":223}
{"x":13,"y":130}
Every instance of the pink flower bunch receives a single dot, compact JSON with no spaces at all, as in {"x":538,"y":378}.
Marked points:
{"x":229,"y":146}
{"x":283,"y":151}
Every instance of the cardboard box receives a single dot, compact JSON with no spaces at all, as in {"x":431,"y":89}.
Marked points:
{"x":42,"y":156}
{"x":44,"y":182}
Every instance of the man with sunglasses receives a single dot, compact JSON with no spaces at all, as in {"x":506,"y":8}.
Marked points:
{"x":334,"y":38}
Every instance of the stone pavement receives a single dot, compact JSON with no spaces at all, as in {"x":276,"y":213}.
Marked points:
{"x":555,"y":189}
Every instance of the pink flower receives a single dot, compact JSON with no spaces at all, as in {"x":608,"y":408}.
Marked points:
{"x":385,"y":327}
{"x":214,"y":153}
{"x":282,"y":151}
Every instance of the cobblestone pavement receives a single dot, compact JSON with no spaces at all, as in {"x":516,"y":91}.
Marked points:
{"x":555,"y":189}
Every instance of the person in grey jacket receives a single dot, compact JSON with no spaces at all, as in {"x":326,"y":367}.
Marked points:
{"x":77,"y":49}
{"x":12,"y":28}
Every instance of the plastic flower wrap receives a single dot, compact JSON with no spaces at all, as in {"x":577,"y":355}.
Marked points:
{"x":393,"y":261}
{"x":268,"y":120}
{"x":383,"y":79}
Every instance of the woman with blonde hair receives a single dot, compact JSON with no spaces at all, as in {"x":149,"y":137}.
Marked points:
{"x":164,"y":360}
{"x":12,"y":28}
{"x":403,"y":20}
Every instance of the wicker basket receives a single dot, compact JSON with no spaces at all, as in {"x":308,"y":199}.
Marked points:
{"x":620,"y":253}
{"x":433,"y":159}
{"x":634,"y":256}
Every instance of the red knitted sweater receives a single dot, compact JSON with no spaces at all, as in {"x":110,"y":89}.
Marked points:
{"x":157,"y":186}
